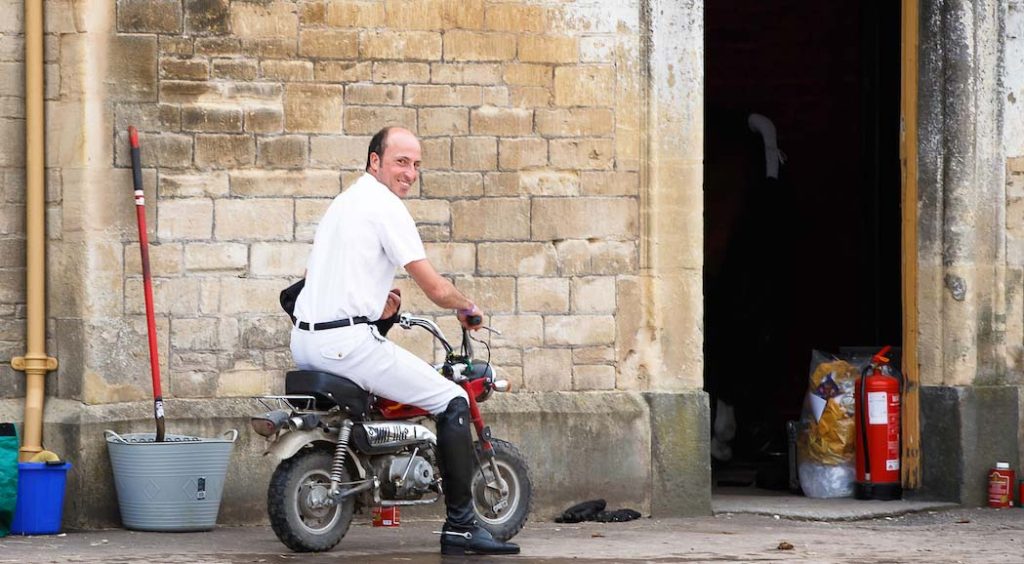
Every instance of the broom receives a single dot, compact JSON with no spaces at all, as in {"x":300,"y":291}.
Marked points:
{"x":147,"y":282}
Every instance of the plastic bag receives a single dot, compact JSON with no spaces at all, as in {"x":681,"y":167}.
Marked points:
{"x":825,"y":480}
{"x":825,"y":444}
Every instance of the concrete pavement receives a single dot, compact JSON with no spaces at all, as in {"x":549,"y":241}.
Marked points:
{"x":958,"y":535}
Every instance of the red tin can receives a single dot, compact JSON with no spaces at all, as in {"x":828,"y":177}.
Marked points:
{"x":386,"y":517}
{"x":1000,"y":485}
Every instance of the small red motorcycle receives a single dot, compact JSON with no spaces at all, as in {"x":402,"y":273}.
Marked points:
{"x":341,"y":449}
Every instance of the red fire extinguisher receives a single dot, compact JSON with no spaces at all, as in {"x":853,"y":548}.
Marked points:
{"x":877,"y":428}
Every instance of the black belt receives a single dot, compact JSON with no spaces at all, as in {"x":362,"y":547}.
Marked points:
{"x":332,"y":324}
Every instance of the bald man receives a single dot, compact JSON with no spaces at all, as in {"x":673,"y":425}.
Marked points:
{"x":365,"y":235}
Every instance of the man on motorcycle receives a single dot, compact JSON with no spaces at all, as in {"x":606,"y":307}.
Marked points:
{"x":365,"y":235}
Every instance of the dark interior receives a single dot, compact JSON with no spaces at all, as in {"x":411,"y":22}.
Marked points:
{"x":811,"y":260}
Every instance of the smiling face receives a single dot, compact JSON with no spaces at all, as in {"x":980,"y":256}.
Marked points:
{"x":399,"y":166}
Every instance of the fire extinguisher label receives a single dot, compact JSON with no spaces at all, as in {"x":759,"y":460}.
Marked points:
{"x":892,"y":459}
{"x":878,"y":408}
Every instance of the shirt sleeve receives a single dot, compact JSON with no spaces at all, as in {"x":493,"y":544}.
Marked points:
{"x":399,"y":236}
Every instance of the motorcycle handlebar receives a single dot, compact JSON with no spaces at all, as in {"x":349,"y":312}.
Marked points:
{"x":407,"y":321}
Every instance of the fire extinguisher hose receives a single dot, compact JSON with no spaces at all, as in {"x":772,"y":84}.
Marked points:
{"x":863,"y":399}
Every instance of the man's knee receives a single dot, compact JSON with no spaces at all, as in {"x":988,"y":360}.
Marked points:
{"x":458,"y":404}
{"x":456,"y":396}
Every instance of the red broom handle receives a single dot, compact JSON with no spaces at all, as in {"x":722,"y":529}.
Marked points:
{"x":147,"y":281}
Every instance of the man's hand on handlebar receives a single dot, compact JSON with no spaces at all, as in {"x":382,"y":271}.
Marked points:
{"x":472,"y":318}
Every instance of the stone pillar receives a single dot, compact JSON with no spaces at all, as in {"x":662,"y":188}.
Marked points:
{"x":962,"y":194}
{"x":969,"y":409}
{"x":672,"y":260}
{"x":672,"y":250}
{"x":104,"y":356}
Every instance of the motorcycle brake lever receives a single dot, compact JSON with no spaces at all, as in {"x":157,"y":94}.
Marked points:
{"x":478,"y":339}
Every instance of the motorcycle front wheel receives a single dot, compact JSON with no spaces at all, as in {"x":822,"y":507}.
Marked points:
{"x":298,"y":502}
{"x":502,"y":515}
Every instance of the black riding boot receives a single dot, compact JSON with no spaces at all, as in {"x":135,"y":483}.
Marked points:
{"x":460,"y":533}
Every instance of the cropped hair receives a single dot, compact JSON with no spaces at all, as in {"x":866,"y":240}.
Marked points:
{"x":377,"y":145}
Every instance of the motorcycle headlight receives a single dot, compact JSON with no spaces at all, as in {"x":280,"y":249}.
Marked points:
{"x":502,"y":386}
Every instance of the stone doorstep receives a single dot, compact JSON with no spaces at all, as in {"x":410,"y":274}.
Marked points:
{"x":796,"y":507}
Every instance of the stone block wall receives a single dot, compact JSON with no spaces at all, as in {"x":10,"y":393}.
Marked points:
{"x":253,"y":115}
{"x":12,"y":198}
{"x":540,"y":197}
{"x":12,"y":175}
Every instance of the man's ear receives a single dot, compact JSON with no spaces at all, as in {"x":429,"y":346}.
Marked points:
{"x":374,"y":162}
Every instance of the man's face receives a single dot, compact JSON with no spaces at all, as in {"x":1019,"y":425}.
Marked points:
{"x":399,"y":166}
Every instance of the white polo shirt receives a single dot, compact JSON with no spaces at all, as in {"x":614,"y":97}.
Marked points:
{"x":365,"y":235}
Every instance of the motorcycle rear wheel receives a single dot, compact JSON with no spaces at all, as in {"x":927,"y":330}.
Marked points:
{"x":505,"y":522}
{"x":296,"y":503}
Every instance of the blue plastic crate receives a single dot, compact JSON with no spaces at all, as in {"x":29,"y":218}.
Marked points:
{"x":40,"y":498}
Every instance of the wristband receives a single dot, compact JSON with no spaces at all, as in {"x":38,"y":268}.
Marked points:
{"x":467,"y":312}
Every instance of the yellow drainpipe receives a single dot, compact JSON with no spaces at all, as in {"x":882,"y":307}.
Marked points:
{"x":35,"y":363}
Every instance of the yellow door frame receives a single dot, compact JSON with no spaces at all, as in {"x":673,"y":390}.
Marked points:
{"x":908,"y":166}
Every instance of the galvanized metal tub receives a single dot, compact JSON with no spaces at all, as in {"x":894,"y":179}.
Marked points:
{"x":175,"y":485}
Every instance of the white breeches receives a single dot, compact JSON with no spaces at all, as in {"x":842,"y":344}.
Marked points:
{"x":377,"y":365}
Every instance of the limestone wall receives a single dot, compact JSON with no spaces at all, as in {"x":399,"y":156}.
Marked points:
{"x":254,"y":114}
{"x":1014,"y":140}
{"x":12,"y":197}
{"x":12,"y":175}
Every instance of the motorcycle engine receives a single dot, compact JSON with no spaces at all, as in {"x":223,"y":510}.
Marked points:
{"x":418,"y":475}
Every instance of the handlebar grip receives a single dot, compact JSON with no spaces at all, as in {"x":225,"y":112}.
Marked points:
{"x":474,"y":320}
{"x":136,"y":156}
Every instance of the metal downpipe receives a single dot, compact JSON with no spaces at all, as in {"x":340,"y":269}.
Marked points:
{"x":35,"y":363}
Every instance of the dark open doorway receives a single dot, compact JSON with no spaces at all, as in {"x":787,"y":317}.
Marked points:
{"x":810,"y":259}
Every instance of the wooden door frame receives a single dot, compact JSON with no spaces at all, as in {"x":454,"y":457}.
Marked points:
{"x":909,"y":42}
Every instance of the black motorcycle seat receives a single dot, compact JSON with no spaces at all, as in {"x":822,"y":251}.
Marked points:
{"x":329,"y":390}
